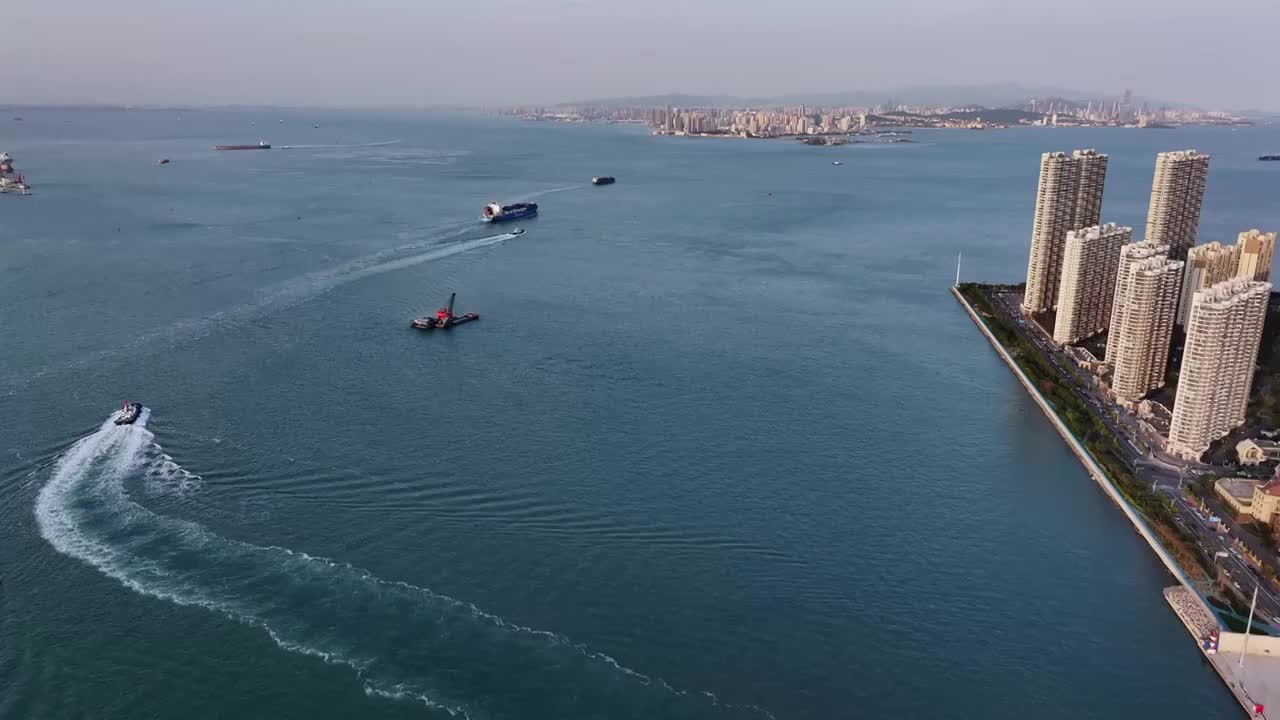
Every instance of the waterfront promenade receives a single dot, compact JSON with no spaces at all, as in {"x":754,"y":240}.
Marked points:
{"x":1254,"y":683}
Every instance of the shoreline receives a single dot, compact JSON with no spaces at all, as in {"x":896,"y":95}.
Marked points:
{"x":1107,"y":485}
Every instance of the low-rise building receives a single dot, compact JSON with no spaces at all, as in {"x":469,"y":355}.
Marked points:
{"x":1252,"y":500}
{"x":1238,"y":493}
{"x":1265,"y":507}
{"x":1254,"y":452}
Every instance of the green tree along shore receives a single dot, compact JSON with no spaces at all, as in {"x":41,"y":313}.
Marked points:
{"x":1089,"y":429}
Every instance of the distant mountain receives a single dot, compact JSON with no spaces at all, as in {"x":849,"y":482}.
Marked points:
{"x":671,"y":99}
{"x":998,"y":95}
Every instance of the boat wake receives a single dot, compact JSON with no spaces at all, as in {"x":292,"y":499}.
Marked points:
{"x":404,"y":642}
{"x":330,"y":147}
{"x":287,"y":295}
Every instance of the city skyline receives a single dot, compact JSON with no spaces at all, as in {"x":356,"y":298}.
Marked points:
{"x":515,"y":51}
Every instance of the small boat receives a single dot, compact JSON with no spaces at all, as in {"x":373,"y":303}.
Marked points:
{"x":164,"y":161}
{"x":496,"y":212}
{"x":518,"y":231}
{"x":603,"y":180}
{"x":129,"y":413}
{"x":1269,"y":157}
{"x":836,"y":162}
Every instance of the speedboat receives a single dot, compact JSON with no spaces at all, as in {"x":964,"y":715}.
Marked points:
{"x":836,"y":162}
{"x":129,"y":413}
{"x":517,"y":231}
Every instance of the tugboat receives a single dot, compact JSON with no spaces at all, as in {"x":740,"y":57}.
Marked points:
{"x":497,"y":212}
{"x":129,"y":413}
{"x":602,"y":180}
{"x":444,"y":318}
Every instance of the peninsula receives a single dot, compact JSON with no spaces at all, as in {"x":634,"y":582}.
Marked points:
{"x":1158,"y":363}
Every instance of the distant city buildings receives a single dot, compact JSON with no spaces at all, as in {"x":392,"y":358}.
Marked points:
{"x":1257,"y":251}
{"x":1069,"y":192}
{"x":1177,"y":191}
{"x":1089,"y":267}
{"x":1142,"y":315}
{"x":1223,"y":333}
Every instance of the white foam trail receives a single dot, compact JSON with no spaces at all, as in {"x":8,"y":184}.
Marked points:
{"x":403,"y":641}
{"x":326,"y":147}
{"x":540,"y":193}
{"x":287,"y":295}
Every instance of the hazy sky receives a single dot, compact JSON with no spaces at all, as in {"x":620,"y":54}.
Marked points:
{"x":400,"y":52}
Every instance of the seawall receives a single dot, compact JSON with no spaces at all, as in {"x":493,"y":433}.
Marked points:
{"x":1099,"y":475}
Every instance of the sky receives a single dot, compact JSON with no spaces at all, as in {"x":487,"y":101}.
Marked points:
{"x":1220,"y":54}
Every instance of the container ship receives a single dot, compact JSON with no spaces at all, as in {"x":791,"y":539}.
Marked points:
{"x":497,"y":212}
{"x":259,"y":146}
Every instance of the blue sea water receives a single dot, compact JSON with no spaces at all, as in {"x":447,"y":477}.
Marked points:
{"x":721,"y":444}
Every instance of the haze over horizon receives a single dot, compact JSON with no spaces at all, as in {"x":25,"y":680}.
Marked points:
{"x":396,"y":53}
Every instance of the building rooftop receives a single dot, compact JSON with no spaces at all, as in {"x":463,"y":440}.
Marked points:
{"x":1240,"y":489}
{"x":1272,"y":488}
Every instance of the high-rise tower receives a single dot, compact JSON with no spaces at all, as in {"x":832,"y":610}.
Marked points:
{"x":1068,"y":197}
{"x":1223,"y":334}
{"x":1177,"y":191}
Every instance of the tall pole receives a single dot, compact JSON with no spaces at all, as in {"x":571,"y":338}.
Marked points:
{"x":959,"y":256}
{"x":1249,"y":625}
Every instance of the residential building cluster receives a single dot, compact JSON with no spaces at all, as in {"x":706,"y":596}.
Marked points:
{"x":1086,"y":278}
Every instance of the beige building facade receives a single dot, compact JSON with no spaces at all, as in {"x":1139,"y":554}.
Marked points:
{"x":1068,"y":197}
{"x":1086,"y":292}
{"x":1142,"y":315}
{"x":1207,"y":265}
{"x":1223,"y":333}
{"x":1177,"y":192}
{"x":1256,"y":251}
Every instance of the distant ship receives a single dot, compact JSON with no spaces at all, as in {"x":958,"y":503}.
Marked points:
{"x":1269,"y":157}
{"x":10,"y":180}
{"x":602,"y":180}
{"x":259,"y":146}
{"x":496,"y":212}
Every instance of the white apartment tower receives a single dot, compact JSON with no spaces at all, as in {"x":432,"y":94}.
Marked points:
{"x":1068,"y":197}
{"x":1177,"y":191}
{"x":1223,"y":334}
{"x":1090,"y":262}
{"x":1256,"y":250}
{"x":1146,"y":301}
{"x":1207,"y":265}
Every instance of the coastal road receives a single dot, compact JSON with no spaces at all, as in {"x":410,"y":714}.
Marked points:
{"x":1165,"y":474}
{"x":1241,"y":573}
